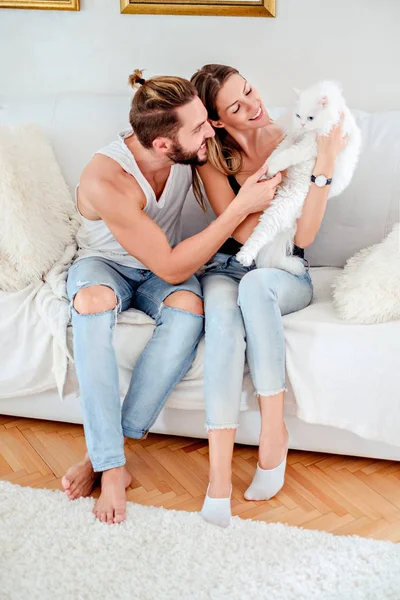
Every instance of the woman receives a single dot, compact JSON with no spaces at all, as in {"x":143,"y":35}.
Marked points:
{"x":244,"y":305}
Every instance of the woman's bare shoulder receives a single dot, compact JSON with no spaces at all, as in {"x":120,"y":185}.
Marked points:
{"x":209,"y":168}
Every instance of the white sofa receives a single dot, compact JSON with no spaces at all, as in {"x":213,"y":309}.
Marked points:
{"x":330,"y":363}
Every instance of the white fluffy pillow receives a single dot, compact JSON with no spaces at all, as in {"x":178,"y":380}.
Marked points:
{"x":35,"y":207}
{"x":368,"y":289}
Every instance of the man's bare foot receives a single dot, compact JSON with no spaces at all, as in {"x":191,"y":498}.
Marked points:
{"x":80,"y":479}
{"x":111,"y":506}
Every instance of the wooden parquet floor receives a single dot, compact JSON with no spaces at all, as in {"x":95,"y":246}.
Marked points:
{"x":338,"y":494}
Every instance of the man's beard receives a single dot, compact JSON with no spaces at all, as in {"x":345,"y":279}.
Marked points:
{"x":181,"y":157}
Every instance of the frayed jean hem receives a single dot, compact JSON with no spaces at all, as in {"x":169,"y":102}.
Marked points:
{"x":219,"y":427}
{"x":271,"y":393}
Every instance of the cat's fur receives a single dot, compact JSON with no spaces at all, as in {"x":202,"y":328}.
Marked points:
{"x":319,"y":109}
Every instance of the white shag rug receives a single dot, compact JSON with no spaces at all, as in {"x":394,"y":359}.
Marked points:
{"x":51,"y":548}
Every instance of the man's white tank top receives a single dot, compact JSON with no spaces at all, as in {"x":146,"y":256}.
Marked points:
{"x":94,"y":237}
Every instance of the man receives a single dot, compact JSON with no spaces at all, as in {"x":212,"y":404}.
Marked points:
{"x":130,"y":254}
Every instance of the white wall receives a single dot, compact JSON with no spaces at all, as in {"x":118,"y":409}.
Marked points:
{"x":356,"y":42}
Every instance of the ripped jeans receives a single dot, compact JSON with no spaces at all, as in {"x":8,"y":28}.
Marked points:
{"x":243,"y":307}
{"x":163,"y":363}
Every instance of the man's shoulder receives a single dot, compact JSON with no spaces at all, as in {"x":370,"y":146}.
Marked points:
{"x":100,"y":170}
{"x":103,"y":177}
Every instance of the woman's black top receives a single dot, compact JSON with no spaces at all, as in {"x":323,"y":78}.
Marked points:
{"x":231,"y":246}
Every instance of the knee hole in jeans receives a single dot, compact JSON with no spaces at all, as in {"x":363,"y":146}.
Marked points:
{"x":95,"y":299}
{"x":187,"y":301}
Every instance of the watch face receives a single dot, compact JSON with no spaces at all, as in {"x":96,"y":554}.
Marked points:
{"x":320,"y":180}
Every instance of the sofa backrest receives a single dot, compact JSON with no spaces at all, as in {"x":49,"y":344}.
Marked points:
{"x":79,"y":124}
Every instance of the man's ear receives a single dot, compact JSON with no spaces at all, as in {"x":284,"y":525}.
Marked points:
{"x":217,"y":124}
{"x":162,"y":144}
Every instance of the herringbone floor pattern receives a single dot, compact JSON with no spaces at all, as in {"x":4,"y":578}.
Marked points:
{"x":342,"y":495}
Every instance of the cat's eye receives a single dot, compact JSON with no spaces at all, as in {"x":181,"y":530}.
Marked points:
{"x":298,"y":116}
{"x":310,"y":118}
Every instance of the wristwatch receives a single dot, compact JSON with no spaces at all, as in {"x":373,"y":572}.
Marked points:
{"x":321,"y":180}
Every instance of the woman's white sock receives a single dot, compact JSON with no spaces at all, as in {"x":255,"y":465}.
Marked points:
{"x":217,"y":510}
{"x":266,"y":482}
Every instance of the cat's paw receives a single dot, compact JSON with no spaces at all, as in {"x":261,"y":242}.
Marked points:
{"x":244,"y":258}
{"x":272,"y":171}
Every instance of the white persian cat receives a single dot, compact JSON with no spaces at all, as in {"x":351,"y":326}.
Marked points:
{"x":317,"y":110}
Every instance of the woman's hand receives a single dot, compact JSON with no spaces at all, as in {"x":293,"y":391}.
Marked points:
{"x":330,"y":145}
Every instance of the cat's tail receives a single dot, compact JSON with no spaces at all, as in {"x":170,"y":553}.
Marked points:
{"x":291,"y":264}
{"x":278,"y":255}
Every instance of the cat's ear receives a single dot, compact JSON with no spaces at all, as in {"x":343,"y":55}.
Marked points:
{"x":323,"y":101}
{"x":297,"y":92}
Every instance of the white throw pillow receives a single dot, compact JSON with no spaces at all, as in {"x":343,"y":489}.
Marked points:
{"x":368,"y":289}
{"x":38,"y":215}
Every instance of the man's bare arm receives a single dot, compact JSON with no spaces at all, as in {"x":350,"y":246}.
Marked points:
{"x":119,"y":201}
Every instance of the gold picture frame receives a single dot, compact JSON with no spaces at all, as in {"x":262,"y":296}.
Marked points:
{"x":41,"y":4}
{"x":222,"y":8}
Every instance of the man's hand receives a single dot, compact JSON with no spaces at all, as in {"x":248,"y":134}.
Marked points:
{"x":256,"y":195}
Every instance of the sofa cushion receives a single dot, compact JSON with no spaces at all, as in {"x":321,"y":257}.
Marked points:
{"x":368,"y":289}
{"x":37,"y":212}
